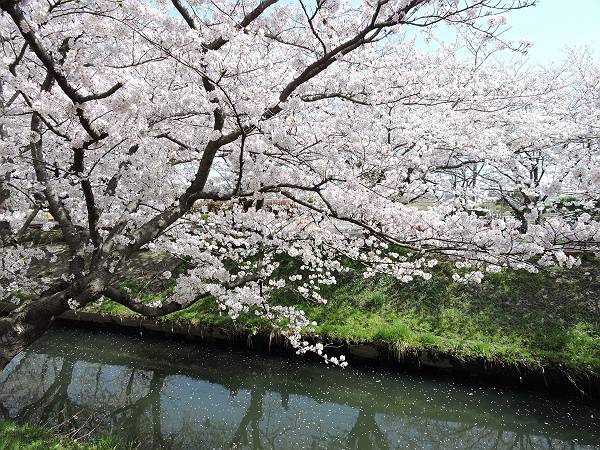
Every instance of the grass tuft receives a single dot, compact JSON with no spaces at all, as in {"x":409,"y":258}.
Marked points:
{"x":15,"y":436}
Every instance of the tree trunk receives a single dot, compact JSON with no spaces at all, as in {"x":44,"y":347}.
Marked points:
{"x":28,"y":322}
{"x":15,"y":336}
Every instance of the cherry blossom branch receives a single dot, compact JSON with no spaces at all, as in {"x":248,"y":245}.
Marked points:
{"x":11,"y":7}
{"x":148,"y":310}
{"x":173,"y":306}
{"x":247,"y":20}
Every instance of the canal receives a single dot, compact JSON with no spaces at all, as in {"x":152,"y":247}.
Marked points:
{"x":168,"y":394}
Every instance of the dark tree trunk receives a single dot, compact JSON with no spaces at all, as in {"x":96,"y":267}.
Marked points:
{"x":15,"y":336}
{"x":29,"y":321}
{"x":26,"y":323}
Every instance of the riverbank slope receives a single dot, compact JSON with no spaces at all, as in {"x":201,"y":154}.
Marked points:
{"x":513,"y":322}
{"x":512,"y":325}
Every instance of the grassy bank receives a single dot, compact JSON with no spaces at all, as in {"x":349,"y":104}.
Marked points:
{"x":512,"y":317}
{"x":14,"y":436}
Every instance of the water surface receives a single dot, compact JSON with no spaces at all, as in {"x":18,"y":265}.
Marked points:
{"x":167,"y":394}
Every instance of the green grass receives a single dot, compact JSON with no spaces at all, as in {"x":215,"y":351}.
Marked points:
{"x":511,"y":317}
{"x":14,"y":436}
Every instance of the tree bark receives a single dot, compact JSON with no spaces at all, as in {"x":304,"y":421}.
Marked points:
{"x":26,"y":323}
{"x":29,"y":321}
{"x":15,"y":337}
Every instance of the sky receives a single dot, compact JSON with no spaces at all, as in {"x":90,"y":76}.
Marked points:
{"x":553,"y":25}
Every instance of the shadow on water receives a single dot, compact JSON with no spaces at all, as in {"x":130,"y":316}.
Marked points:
{"x":163,"y":394}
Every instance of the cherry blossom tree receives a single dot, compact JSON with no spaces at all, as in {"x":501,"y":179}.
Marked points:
{"x":320,"y":129}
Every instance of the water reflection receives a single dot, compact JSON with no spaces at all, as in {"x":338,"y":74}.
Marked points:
{"x":168,"y":395}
